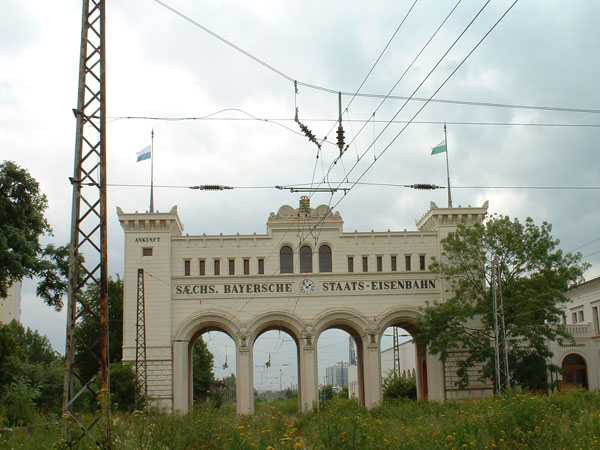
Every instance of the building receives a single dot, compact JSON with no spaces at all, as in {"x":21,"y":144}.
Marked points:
{"x":337,"y":375}
{"x":303,"y":276}
{"x":580,"y":358}
{"x":10,"y":307}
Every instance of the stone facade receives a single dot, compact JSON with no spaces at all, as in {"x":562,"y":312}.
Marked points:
{"x":10,"y":307}
{"x":303,"y":276}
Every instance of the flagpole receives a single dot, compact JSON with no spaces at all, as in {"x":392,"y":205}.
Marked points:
{"x":152,"y":172}
{"x":447,"y":169}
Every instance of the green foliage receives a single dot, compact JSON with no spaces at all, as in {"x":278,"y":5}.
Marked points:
{"x":27,"y":356}
{"x":399,"y":387}
{"x":123,"y":387}
{"x":22,"y":223}
{"x":203,"y":376}
{"x":87,"y":328}
{"x":516,"y":420}
{"x":19,"y":402}
{"x":533,"y":273}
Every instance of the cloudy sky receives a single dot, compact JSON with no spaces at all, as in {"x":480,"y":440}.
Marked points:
{"x":541,"y":54}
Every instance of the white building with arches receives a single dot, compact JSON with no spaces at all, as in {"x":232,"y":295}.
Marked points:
{"x":245,"y":285}
{"x":580,"y":357}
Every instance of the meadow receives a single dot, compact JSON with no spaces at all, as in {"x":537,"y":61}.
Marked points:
{"x":516,"y":420}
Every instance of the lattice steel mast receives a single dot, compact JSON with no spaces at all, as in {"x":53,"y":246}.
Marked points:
{"x":88,"y":268}
{"x":141,"y":371}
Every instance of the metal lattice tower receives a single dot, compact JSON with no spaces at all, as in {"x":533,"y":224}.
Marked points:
{"x":500,"y":342}
{"x":88,"y":248}
{"x":141,"y":371}
{"x":396,"y":353}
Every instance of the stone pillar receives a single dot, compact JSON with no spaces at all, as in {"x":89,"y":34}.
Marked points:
{"x":244,"y":388}
{"x":435,"y":378}
{"x":308,"y":386}
{"x":371,"y":370}
{"x":181,"y":375}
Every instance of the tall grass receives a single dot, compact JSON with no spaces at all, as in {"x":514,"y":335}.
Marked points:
{"x":516,"y":420}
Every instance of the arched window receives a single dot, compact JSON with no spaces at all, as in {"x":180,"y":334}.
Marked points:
{"x":324,"y":258}
{"x":305,"y":259}
{"x":575,"y":370}
{"x":286,"y":259}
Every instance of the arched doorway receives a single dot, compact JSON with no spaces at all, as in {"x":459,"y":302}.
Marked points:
{"x":275,"y":366}
{"x":341,"y":364}
{"x":574,"y":373}
{"x":417,"y":361}
{"x":399,"y":359}
{"x":211,"y":367}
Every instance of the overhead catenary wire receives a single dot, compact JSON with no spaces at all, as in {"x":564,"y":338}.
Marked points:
{"x":372,"y":95}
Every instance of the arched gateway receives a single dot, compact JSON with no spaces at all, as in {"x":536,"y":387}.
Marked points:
{"x":244,"y":285}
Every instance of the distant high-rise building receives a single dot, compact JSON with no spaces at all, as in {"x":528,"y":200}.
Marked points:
{"x":337,"y":375}
{"x":10,"y":307}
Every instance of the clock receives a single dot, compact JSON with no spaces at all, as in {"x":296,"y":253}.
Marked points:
{"x":307,"y":286}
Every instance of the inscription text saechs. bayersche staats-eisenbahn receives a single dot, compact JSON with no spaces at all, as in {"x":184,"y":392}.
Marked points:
{"x":281,"y":288}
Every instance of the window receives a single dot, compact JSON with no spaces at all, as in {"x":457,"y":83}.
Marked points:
{"x":186,"y":267}
{"x":286,"y":259}
{"x":365,"y":260}
{"x":325,"y":258}
{"x":574,"y":317}
{"x":580,"y":315}
{"x":246,"y":266}
{"x":394,"y":263}
{"x":261,"y":266}
{"x":202,"y":266}
{"x":305,"y":259}
{"x":379,"y":264}
{"x":595,"y":320}
{"x":350,"y":264}
{"x":422,"y":262}
{"x":231,"y":266}
{"x":217,"y":267}
{"x":407,"y":262}
{"x":147,"y":251}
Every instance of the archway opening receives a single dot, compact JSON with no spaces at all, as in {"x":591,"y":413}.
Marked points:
{"x":574,"y":373}
{"x":340,"y":364}
{"x":276,"y":369}
{"x":212,"y":368}
{"x":399,"y":362}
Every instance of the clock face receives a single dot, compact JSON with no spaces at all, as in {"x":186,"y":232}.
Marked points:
{"x":307,"y":286}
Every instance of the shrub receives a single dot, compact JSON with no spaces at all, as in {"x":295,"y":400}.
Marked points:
{"x":399,"y":387}
{"x":19,"y":402}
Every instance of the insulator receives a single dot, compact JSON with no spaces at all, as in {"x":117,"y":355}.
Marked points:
{"x":212,"y":187}
{"x":423,"y":186}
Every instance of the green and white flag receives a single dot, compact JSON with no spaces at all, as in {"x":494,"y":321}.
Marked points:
{"x":440,"y":148}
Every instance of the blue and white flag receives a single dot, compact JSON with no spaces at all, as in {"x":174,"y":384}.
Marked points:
{"x":144,"y":153}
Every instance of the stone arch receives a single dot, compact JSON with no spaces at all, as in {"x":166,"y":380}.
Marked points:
{"x":276,"y":320}
{"x":407,"y":318}
{"x":362,"y":332}
{"x":185,"y":338}
{"x":284,"y":321}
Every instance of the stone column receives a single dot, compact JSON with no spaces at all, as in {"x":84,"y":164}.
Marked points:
{"x":244,"y":378}
{"x":308,"y":385}
{"x":372,"y":369}
{"x":181,"y":379}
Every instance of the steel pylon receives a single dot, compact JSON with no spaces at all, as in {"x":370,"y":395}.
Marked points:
{"x":88,"y":267}
{"x":141,"y":370}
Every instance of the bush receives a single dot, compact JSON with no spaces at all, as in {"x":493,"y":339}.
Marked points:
{"x":19,"y":402}
{"x":399,"y":387}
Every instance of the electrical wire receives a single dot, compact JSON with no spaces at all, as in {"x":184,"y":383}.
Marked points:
{"x":284,"y":119}
{"x":372,"y":95}
{"x":366,"y":183}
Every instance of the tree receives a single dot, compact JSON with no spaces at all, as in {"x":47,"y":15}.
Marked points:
{"x":203,"y":375}
{"x":22,"y":223}
{"x":533,"y":275}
